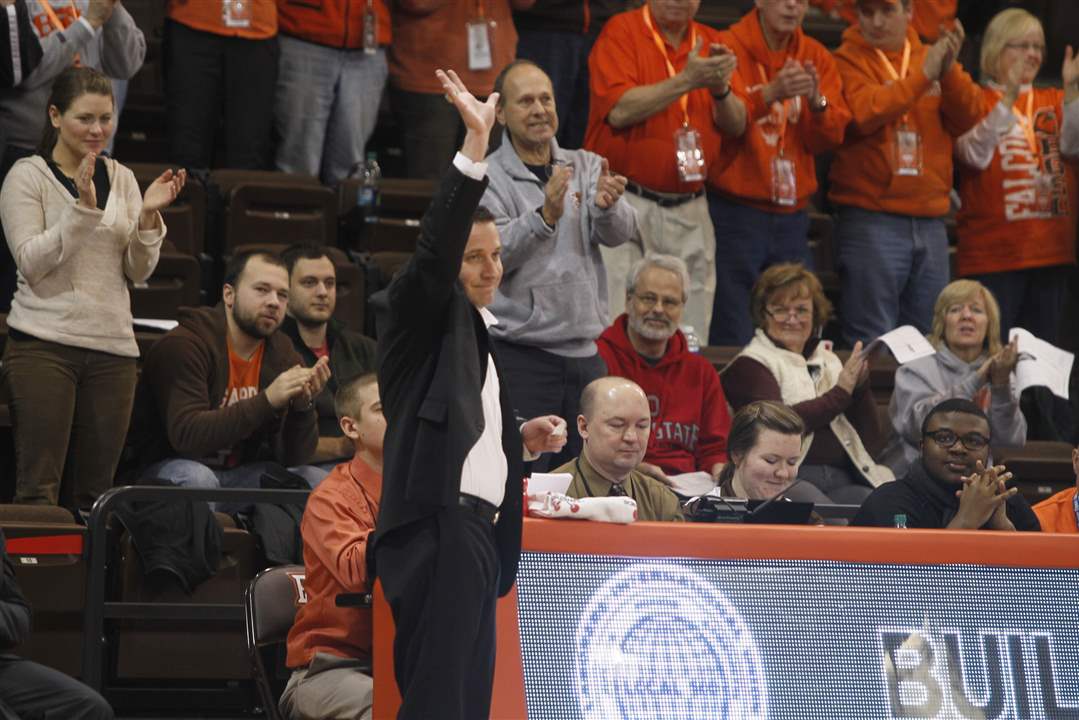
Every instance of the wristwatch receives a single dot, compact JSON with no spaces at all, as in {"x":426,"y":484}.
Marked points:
{"x":720,"y":97}
{"x":821,"y":106}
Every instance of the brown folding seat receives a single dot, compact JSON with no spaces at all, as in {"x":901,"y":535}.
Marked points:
{"x":186,"y":216}
{"x":46,"y":547}
{"x":174,"y":284}
{"x":196,"y":650}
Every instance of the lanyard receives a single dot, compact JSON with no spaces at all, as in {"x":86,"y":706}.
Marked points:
{"x":903,"y":68}
{"x":53,"y":18}
{"x":479,"y":10}
{"x":1075,"y":504}
{"x":786,"y":109}
{"x":684,"y":99}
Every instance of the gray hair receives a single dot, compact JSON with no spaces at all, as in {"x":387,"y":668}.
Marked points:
{"x":670,"y":263}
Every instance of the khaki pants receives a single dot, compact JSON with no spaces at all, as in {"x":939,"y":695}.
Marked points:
{"x":685,"y":232}
{"x":330,"y":688}
{"x":70,"y":409}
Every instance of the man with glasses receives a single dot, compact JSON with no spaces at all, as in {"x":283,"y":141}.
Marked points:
{"x":689,"y":411}
{"x":554,"y":208}
{"x":953,"y":485}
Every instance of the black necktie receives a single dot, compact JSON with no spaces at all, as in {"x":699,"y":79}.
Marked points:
{"x":617,"y":490}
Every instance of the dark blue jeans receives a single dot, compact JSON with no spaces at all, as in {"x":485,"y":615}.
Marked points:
{"x":1032,"y":299}
{"x":748,"y":240}
{"x":564,"y":57}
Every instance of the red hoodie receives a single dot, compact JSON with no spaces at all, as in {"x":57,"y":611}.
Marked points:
{"x":690,"y":420}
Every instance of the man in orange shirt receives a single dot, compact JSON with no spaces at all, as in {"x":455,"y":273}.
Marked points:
{"x":1060,"y":513}
{"x":787,"y":107}
{"x":654,"y":72}
{"x":929,"y":15}
{"x":329,"y":647}
{"x":890,"y":181}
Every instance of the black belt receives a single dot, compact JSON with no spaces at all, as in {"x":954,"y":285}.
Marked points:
{"x":663,"y":199}
{"x":481,"y":507}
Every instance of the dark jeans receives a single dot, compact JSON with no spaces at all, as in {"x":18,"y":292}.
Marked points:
{"x":748,"y":240}
{"x":206,"y":74}
{"x":70,"y":409}
{"x":1031,"y":299}
{"x":542,"y":383}
{"x":431,"y":132}
{"x":564,"y":57}
{"x":32,"y":691}
{"x":8,"y":271}
{"x":440,"y":575}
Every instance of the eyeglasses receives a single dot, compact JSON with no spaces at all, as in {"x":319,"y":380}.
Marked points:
{"x":799,"y":312}
{"x":648,"y":301}
{"x":1026,"y":46}
{"x":948,"y":438}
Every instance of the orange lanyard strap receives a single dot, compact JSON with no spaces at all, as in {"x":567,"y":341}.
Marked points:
{"x":662,"y":47}
{"x":904,"y":68}
{"x":786,"y":109}
{"x":479,"y":10}
{"x":1027,"y":122}
{"x":53,"y":18}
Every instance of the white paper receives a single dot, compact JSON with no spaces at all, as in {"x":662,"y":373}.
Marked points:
{"x":549,"y":482}
{"x":1041,"y":364}
{"x":692,"y":484}
{"x":165,"y":325}
{"x":905,"y":342}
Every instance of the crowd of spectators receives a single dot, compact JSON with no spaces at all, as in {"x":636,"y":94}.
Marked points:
{"x":648,"y":190}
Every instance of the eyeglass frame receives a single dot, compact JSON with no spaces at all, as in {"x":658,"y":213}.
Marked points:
{"x":958,"y":438}
{"x":666,"y":303}
{"x":1024,"y":46}
{"x":805,"y":313}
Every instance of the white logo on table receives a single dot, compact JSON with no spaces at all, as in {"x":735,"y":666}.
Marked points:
{"x":657,"y":640}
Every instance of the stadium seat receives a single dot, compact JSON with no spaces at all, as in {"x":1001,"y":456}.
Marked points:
{"x":264,"y":213}
{"x":269,"y":609}
{"x":186,"y":217}
{"x":174,"y":284}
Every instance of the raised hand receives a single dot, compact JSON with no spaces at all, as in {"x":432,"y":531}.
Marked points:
{"x":790,"y":82}
{"x":852,"y":374}
{"x":164,"y":190}
{"x":98,"y":12}
{"x":546,"y":433}
{"x":84,"y":181}
{"x":478,"y":117}
{"x":554,"y":193}
{"x":1069,"y":71}
{"x":608,"y":187}
{"x":1004,"y":362}
{"x":704,"y":69}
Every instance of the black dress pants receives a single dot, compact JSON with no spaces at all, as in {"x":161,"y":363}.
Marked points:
{"x":35,"y":692}
{"x":207,"y":74}
{"x":440,"y":576}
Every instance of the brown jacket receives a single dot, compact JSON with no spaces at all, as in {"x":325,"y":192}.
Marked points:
{"x":177,"y":404}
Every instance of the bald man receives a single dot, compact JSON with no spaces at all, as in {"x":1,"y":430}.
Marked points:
{"x":614,"y":424}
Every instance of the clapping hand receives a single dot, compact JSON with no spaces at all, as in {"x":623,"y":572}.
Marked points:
{"x":554,"y":193}
{"x":608,"y":187}
{"x":790,"y":82}
{"x":161,"y":193}
{"x":1069,"y":71}
{"x":705,"y":68}
{"x":983,"y":499}
{"x":84,"y":181}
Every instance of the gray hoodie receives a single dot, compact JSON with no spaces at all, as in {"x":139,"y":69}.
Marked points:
{"x":923,"y":383}
{"x":117,"y":49}
{"x":554,"y":290}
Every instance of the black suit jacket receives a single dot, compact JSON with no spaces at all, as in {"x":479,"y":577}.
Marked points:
{"x":432,"y":358}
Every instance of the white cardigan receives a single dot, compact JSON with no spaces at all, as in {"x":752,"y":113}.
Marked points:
{"x":74,"y":263}
{"x":796,"y":384}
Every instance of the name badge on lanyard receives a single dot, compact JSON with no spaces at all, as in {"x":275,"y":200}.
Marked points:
{"x":370,"y":29}
{"x":236,"y":13}
{"x":480,"y":55}
{"x":906,"y":154}
{"x":784,"y":182}
{"x":688,"y":154}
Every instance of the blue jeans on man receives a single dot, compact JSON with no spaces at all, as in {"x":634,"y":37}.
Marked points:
{"x":193,"y":474}
{"x":891,"y":269}
{"x":748,"y":240}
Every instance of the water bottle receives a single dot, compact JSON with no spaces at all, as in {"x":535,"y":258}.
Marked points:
{"x":367,"y":197}
{"x":693,"y":343}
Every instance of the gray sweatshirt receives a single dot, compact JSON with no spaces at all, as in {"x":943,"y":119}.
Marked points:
{"x":117,"y":49}
{"x":554,"y":288}
{"x":923,"y":383}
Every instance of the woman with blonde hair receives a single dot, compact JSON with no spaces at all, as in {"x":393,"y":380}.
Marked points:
{"x":787,"y":362}
{"x":970,"y":363}
{"x":1017,"y":179}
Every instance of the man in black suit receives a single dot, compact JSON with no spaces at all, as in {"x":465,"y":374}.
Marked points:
{"x":448,"y":534}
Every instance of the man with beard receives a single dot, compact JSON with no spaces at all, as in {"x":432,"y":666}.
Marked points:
{"x":315,"y":333}
{"x":224,"y":396}
{"x":953,"y":485}
{"x":554,"y":208}
{"x":689,"y":411}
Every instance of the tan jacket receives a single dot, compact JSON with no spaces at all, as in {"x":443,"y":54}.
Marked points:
{"x":796,"y":385}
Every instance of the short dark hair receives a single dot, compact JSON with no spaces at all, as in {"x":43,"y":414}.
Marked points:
{"x":238,"y":263}
{"x":346,"y":399}
{"x":500,"y":81}
{"x":302,"y":251}
{"x":482,"y":215}
{"x":955,"y":405}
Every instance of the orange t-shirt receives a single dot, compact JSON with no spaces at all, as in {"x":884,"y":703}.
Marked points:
{"x":862,"y":174}
{"x":929,"y":15}
{"x":208,"y":16}
{"x":624,"y":57}
{"x":1057,"y":514}
{"x":243,"y":376}
{"x":1002,"y":226}
{"x":333,"y":23}
{"x":744,"y":172}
